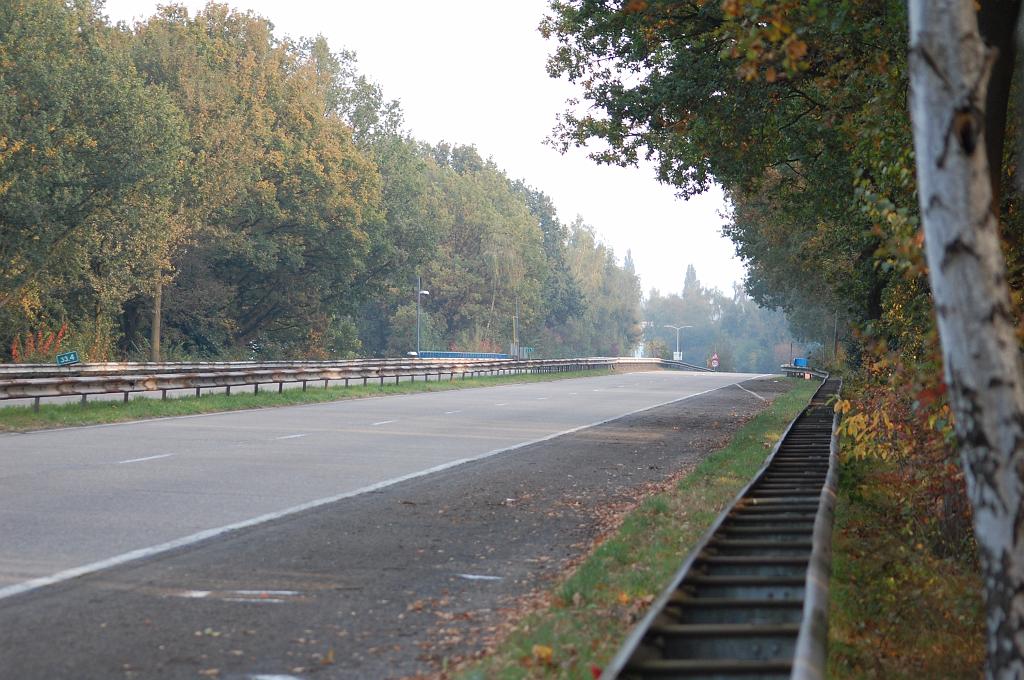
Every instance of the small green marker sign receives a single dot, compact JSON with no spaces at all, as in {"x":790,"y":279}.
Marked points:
{"x":68,"y":358}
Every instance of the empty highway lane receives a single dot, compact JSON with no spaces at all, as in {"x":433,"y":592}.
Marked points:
{"x":76,"y":500}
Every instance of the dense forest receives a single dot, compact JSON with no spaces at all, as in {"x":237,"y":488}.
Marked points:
{"x":199,"y":182}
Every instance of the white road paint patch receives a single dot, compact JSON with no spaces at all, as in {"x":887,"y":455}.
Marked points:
{"x":256,"y":600}
{"x":502,"y":404}
{"x":193,"y":594}
{"x":274,"y":677}
{"x":265,"y":592}
{"x":291,"y":436}
{"x":479,"y":577}
{"x":448,"y":413}
{"x":384,"y":422}
{"x":542,"y":398}
{"x":139,"y":460}
{"x":749,"y":392}
{"x":140,"y":553}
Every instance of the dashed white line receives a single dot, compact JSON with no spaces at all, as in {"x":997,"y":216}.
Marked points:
{"x":502,"y":404}
{"x":139,"y":460}
{"x":385,"y":422}
{"x":290,"y":436}
{"x":479,"y":577}
{"x":542,"y":398}
{"x":448,"y":413}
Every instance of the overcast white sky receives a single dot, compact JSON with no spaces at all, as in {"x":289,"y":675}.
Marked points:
{"x":473,"y":72}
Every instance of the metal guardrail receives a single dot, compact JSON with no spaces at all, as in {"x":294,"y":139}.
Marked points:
{"x":91,"y":383}
{"x":801,"y":371}
{"x":12,"y":371}
{"x":38,"y":381}
{"x":751,"y":600}
{"x":670,"y":363}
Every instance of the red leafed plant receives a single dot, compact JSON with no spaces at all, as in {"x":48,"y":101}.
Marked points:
{"x":39,"y":347}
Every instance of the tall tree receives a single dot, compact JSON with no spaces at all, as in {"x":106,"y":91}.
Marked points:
{"x":951,"y":71}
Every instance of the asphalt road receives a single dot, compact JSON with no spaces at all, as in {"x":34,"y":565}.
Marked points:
{"x":75,"y":500}
{"x":387,"y":583}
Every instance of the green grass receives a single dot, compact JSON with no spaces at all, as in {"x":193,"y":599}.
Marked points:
{"x":23,"y":418}
{"x":897,"y":610}
{"x":592,"y":611}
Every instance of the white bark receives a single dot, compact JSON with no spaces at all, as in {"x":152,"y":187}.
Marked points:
{"x":949,"y":67}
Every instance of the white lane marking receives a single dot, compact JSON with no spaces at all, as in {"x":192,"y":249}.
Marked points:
{"x":139,"y":460}
{"x":194,"y":594}
{"x":502,"y":404}
{"x":448,"y":413}
{"x":274,"y":677}
{"x":479,"y":577}
{"x":140,"y":553}
{"x":291,"y":436}
{"x":385,"y":422}
{"x":265,"y":592}
{"x":572,"y":394}
{"x":542,"y":398}
{"x":749,"y":392}
{"x":256,"y":600}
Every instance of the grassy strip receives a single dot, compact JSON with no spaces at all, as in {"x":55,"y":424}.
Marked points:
{"x":897,"y":610}
{"x":592,"y":611}
{"x":22,"y":418}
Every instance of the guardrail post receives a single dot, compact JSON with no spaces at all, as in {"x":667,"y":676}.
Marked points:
{"x":227,"y":390}
{"x":346,"y":382}
{"x":197,"y":392}
{"x":35,"y":404}
{"x":280,"y":387}
{"x":126,"y":397}
{"x":163,"y":395}
{"x":326,"y":382}
{"x":303,"y":385}
{"x":256,"y":388}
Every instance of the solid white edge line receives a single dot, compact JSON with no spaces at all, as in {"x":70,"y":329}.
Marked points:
{"x":139,"y":460}
{"x":141,"y":553}
{"x":385,"y":422}
{"x":289,"y":436}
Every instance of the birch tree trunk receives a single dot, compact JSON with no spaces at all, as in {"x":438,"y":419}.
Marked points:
{"x":949,"y":73}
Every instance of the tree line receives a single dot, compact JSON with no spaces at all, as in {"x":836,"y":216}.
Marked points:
{"x":745,"y":337}
{"x":904,"y":232}
{"x":199,"y":185}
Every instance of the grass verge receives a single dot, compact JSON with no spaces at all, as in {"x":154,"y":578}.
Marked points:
{"x":23,"y":418}
{"x":590,"y":613}
{"x":897,"y":610}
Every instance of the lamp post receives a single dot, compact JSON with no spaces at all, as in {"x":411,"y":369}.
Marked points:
{"x":419,"y":293}
{"x":677,"y":329}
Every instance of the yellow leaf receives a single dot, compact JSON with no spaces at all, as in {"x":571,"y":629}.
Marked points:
{"x":623,"y":598}
{"x":543,"y":654}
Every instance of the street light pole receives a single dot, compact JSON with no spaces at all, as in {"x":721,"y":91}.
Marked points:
{"x":419,"y":293}
{"x":677,"y":329}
